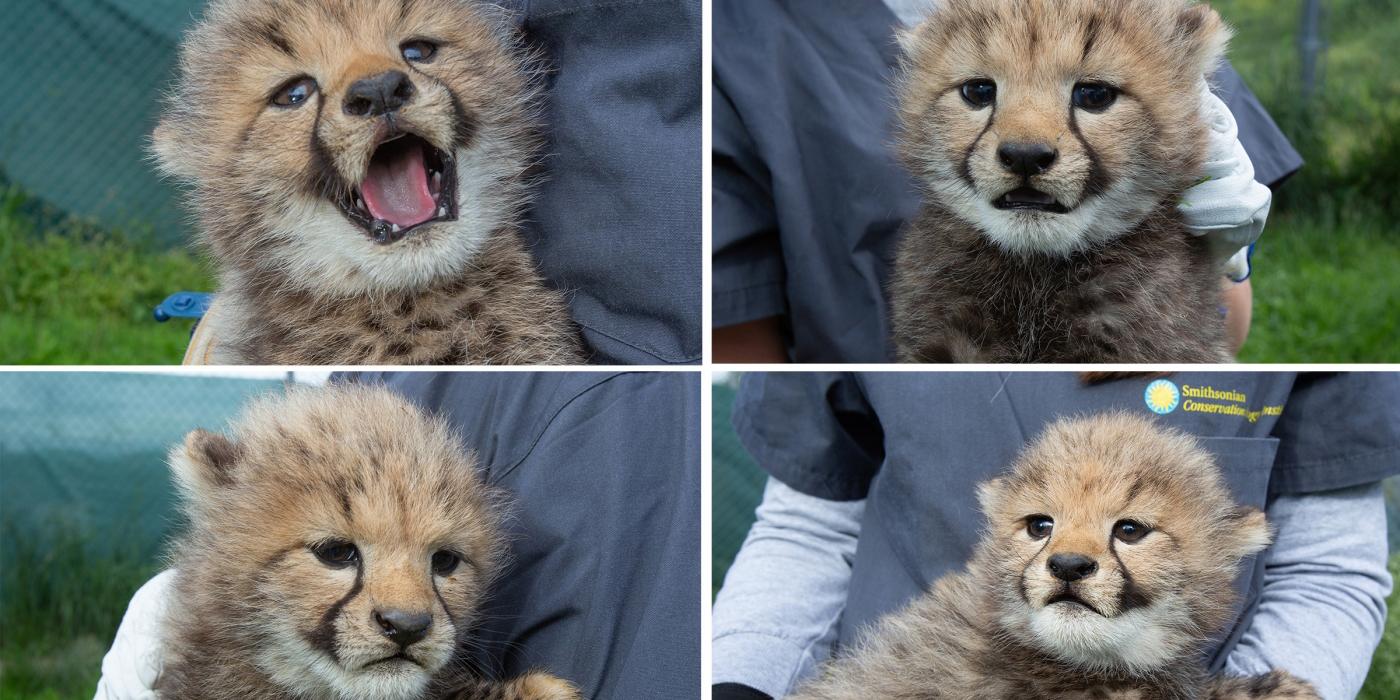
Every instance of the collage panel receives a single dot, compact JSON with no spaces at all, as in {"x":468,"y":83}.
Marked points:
{"x":343,"y":216}
{"x":1054,"y":181}
{"x":1217,"y":534}
{"x":257,"y":534}
{"x":351,"y":182}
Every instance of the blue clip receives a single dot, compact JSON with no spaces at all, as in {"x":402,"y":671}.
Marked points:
{"x":183,"y":305}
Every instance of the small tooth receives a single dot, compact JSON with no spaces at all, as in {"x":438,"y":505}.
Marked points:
{"x":395,"y":228}
{"x":437,"y":180}
{"x":360,"y":203}
{"x":380,"y":230}
{"x":442,"y":211}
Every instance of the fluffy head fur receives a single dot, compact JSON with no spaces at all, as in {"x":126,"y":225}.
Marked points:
{"x":1151,"y":599}
{"x":1054,"y":139}
{"x":268,"y":180}
{"x":258,"y":612}
{"x":1111,"y":167}
{"x":1129,"y":624}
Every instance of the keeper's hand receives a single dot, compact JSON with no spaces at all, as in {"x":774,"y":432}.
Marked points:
{"x":131,"y":666}
{"x":1229,"y":207}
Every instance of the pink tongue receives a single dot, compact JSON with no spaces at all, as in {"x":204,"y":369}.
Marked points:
{"x":396,"y":187}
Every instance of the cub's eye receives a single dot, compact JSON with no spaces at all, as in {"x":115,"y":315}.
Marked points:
{"x":336,"y":553}
{"x":1039,"y":526}
{"x":445,"y":562}
{"x":1095,"y":97}
{"x":419,"y":50}
{"x":979,"y":92}
{"x":294,"y":92}
{"x":1130,"y":531}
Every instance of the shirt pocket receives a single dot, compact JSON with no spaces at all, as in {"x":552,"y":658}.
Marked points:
{"x":1246,"y":465}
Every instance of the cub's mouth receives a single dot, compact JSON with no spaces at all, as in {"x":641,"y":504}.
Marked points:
{"x":399,"y":658}
{"x":1068,"y":597}
{"x":409,"y":183}
{"x":1029,"y":198}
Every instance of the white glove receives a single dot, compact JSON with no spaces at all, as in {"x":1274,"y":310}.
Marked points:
{"x":131,"y":666}
{"x":1230,"y":207}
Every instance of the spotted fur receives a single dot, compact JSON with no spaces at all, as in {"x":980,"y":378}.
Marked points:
{"x":1274,"y":686}
{"x":257,"y":615}
{"x":1116,"y":277}
{"x":300,"y":283}
{"x":995,"y":630}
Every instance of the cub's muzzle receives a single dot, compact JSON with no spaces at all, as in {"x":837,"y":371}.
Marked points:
{"x":1071,"y":567}
{"x":1026,"y":159}
{"x":378,"y":95}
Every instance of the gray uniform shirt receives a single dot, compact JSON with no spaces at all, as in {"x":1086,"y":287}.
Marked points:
{"x":616,"y":221}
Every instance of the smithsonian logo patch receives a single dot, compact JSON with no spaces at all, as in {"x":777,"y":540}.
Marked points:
{"x":1162,"y":396}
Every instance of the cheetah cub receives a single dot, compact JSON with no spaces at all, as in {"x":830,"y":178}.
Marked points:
{"x":1106,"y":564}
{"x":339,"y":544}
{"x":1053,"y":140}
{"x":359,"y":169}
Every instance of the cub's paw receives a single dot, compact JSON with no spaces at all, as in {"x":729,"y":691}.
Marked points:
{"x":1275,"y":685}
{"x":543,"y":686}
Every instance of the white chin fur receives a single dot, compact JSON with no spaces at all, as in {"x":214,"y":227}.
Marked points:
{"x":307,"y":673}
{"x":399,"y":681}
{"x":1137,"y":641}
{"x":1093,"y":222}
{"x":328,"y":255}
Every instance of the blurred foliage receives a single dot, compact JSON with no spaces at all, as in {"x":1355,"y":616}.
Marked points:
{"x":1327,"y":278}
{"x":72,"y":293}
{"x":61,"y":597}
{"x":1349,"y":131}
{"x":1325,"y":292}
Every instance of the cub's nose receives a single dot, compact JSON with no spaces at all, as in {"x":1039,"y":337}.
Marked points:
{"x":403,"y":627}
{"x":1072,"y":567}
{"x":378,"y":94}
{"x":1026,"y":159}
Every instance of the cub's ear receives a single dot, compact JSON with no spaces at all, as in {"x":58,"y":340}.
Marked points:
{"x":1203,"y":37}
{"x":170,"y":155}
{"x":989,"y":495}
{"x":1249,"y":532}
{"x":204,"y":463}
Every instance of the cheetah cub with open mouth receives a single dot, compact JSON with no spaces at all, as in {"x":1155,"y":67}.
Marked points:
{"x":1106,"y":565}
{"x":359,"y":169}
{"x":339,"y":545}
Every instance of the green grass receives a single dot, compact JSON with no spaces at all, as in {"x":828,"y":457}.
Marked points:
{"x":1325,"y":292}
{"x":1327,"y":279}
{"x":74,"y":294}
{"x":1349,"y":133}
{"x":60,"y":603}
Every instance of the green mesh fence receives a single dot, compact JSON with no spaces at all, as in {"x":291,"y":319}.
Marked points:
{"x":80,"y":81}
{"x":738,"y":485}
{"x":86,"y":504}
{"x":83,"y":454}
